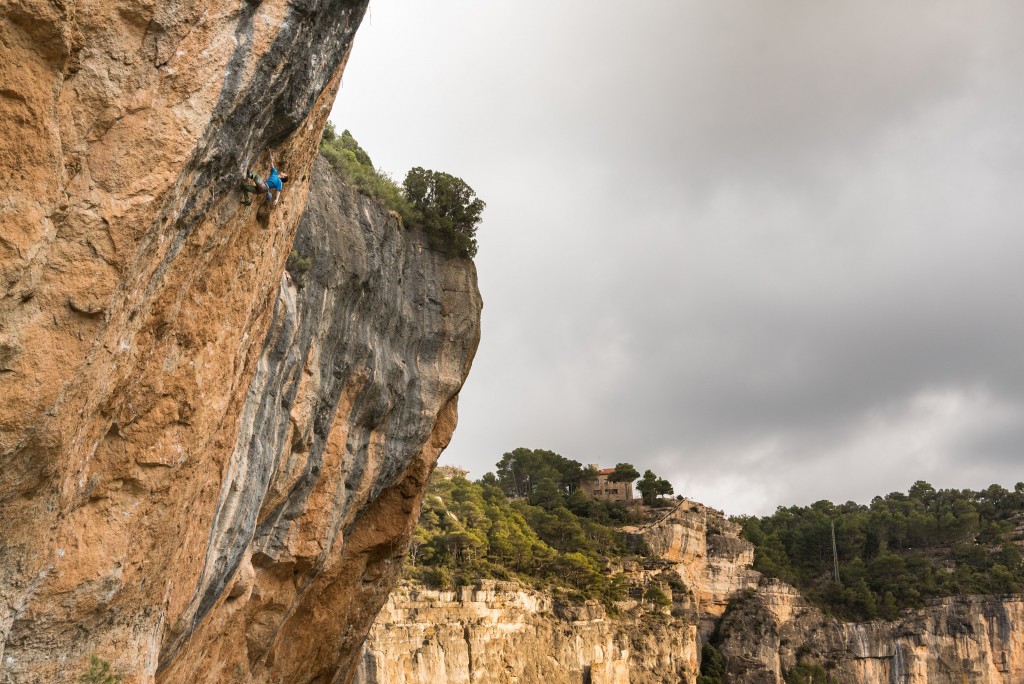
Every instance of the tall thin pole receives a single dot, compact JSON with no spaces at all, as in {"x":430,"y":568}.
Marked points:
{"x":835,"y":556}
{"x":515,"y":481}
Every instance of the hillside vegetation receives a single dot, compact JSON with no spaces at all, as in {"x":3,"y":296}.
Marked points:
{"x":897,"y":552}
{"x":530,"y":522}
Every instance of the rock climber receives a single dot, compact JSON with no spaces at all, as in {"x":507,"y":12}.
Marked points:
{"x":255,"y":186}
{"x":271,"y":187}
{"x":275,"y":183}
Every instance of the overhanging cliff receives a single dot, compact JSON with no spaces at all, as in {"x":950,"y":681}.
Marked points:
{"x":352,"y":401}
{"x":191,"y":454}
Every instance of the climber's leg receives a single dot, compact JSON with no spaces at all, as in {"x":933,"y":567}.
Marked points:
{"x":255,"y":187}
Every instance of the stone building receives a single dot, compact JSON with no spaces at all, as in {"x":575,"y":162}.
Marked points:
{"x":600,"y":488}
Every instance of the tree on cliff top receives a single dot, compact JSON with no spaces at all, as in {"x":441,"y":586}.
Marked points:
{"x":447,"y":208}
{"x":441,"y":205}
{"x":651,"y":487}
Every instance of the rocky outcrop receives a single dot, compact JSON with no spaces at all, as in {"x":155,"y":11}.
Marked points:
{"x":705,"y":549}
{"x":204,"y":469}
{"x":765,"y":628}
{"x":954,"y":640}
{"x":502,"y":632}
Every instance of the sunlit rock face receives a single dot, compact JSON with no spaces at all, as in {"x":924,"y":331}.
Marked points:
{"x":198,"y":459}
{"x":707,"y":553}
{"x":502,"y":633}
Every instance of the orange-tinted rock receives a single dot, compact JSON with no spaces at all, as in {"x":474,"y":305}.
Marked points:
{"x":143,"y":324}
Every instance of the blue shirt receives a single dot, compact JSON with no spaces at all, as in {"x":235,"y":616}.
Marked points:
{"x":274,"y":181}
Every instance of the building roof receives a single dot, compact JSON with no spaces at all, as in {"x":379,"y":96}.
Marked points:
{"x":606,"y":471}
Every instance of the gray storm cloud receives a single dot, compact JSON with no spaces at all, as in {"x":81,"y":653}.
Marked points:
{"x":771,"y":250}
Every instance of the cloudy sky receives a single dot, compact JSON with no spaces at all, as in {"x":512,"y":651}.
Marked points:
{"x":773,"y":251}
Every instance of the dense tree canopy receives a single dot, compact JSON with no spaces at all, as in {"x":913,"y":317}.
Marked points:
{"x":897,"y":552}
{"x":471,"y":530}
{"x":447,"y":209}
{"x":624,"y":472}
{"x":521,"y":471}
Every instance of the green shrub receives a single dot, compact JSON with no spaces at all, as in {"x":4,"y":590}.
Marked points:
{"x":807,"y":673}
{"x":655,"y":595}
{"x":437,"y":578}
{"x":439,"y":204}
{"x":343,"y":153}
{"x":712,"y":666}
{"x":99,"y":672}
{"x":298,"y":265}
{"x":329,"y":134}
{"x":674,"y":582}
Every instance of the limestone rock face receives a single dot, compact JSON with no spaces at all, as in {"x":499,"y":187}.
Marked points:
{"x":706,"y":551}
{"x":966,"y":638}
{"x":352,"y":401}
{"x":204,"y":469}
{"x":503,"y":633}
